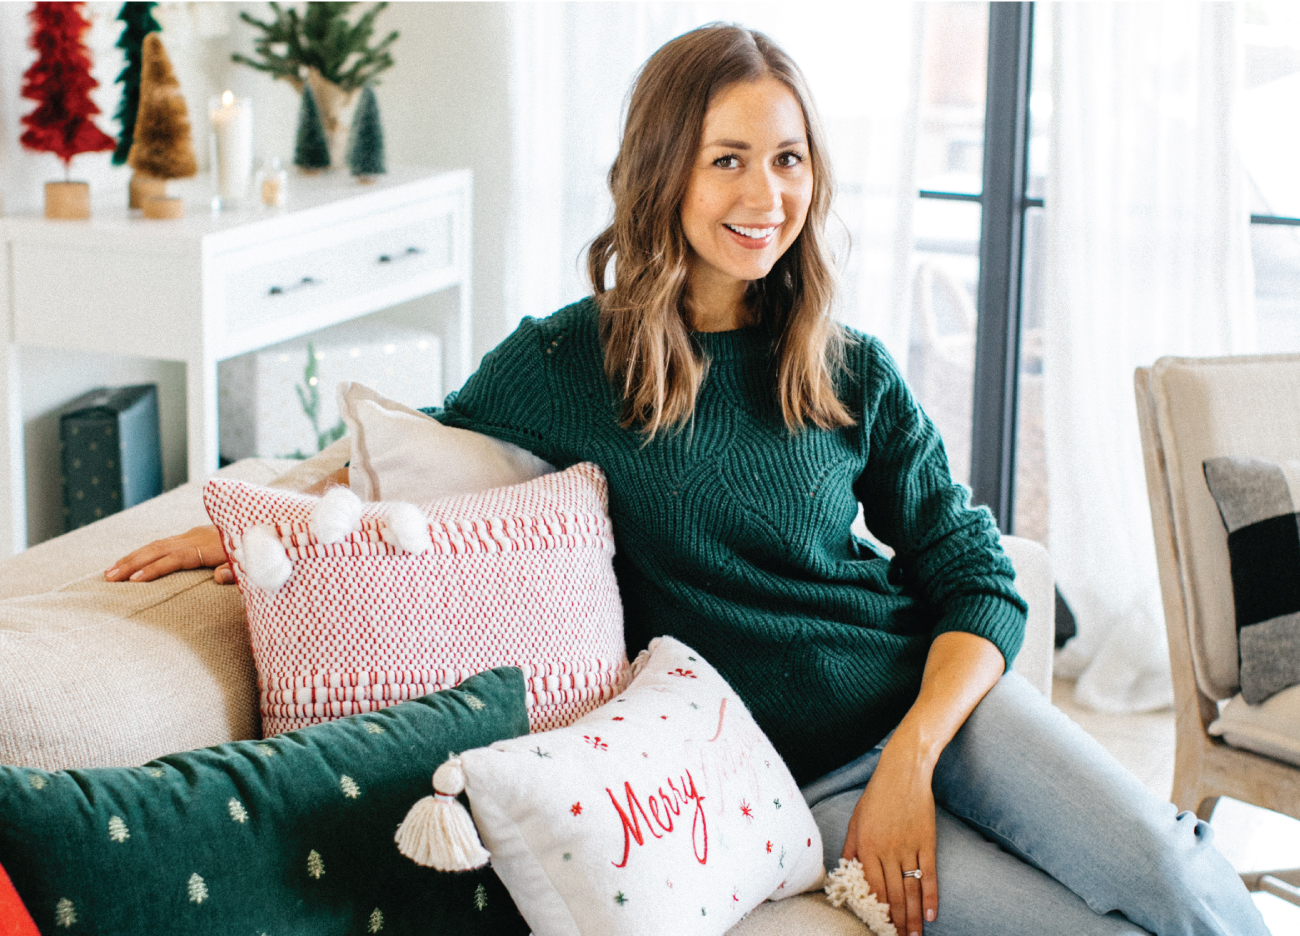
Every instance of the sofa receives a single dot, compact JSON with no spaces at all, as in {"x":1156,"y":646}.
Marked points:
{"x":101,"y":674}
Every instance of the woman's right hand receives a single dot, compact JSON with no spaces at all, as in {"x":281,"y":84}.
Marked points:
{"x":200,"y":548}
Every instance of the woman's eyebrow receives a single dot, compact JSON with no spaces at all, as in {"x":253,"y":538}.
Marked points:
{"x":742,"y":145}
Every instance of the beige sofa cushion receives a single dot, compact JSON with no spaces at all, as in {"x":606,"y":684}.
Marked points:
{"x":1208,"y":407}
{"x":114,"y":674}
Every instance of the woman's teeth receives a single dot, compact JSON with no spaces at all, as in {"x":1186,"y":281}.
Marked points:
{"x":754,"y":233}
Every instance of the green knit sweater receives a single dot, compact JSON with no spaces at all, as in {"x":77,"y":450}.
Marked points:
{"x":733,"y":534}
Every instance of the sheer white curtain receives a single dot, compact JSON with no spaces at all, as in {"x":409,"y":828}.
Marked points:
{"x":573,"y":65}
{"x":1146,"y":253}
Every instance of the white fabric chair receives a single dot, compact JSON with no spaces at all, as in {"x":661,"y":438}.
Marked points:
{"x":1191,"y":409}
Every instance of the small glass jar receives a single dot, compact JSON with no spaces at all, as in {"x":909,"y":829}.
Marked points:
{"x":273,"y":183}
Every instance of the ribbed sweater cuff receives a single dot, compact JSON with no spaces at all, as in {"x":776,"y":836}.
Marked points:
{"x":994,"y":617}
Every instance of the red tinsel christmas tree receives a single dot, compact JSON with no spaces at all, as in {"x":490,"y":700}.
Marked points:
{"x":60,"y":81}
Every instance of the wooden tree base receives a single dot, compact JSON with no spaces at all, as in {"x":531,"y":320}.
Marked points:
{"x":143,"y":187}
{"x":68,"y":201}
{"x":164,"y":208}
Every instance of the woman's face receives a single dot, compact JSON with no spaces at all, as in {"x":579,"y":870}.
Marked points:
{"x":751,"y":183}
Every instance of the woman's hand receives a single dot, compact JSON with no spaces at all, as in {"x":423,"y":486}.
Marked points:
{"x":201,"y":547}
{"x":892,"y":832}
{"x":892,"y":828}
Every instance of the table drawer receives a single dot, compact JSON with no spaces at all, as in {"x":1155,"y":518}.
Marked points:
{"x":343,"y":262}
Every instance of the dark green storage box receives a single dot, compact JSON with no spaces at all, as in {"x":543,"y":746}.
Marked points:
{"x":111,"y":451}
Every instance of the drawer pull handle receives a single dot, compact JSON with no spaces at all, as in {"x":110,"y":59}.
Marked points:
{"x":281,"y":290}
{"x":408,"y":252}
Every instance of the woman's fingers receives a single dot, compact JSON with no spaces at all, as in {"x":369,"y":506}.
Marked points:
{"x":912,"y":897}
{"x":875,"y":875}
{"x":223,"y":575}
{"x":897,"y":897}
{"x":199,"y":547}
{"x":929,"y":887}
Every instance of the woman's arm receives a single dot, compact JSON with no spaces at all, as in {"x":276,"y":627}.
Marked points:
{"x":200,"y":548}
{"x":892,"y":829}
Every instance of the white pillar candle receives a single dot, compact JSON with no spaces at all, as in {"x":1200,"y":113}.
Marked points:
{"x":232,"y":146}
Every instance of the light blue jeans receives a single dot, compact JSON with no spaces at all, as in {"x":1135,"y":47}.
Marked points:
{"x":1042,"y":832}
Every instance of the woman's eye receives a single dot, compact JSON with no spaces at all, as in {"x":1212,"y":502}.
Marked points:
{"x":786,"y":160}
{"x":727,"y":162}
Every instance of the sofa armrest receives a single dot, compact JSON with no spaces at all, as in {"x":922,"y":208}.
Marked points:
{"x":1035,"y":583}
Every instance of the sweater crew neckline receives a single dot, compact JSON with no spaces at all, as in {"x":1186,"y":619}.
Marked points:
{"x":735,"y":344}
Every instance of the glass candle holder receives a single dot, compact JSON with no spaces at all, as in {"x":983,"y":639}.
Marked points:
{"x":272,"y":183}
{"x":232,"y":147}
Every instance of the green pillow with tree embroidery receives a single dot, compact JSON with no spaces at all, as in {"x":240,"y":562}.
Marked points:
{"x":289,"y":835}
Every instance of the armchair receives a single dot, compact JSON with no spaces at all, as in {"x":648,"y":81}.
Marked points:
{"x":1191,"y":409}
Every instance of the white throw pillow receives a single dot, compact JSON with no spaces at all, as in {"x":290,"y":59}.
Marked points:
{"x":401,"y":454}
{"x":665,"y":811}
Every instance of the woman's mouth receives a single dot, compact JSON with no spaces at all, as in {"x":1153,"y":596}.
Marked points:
{"x":752,"y":237}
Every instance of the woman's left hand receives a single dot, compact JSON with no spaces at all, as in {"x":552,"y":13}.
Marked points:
{"x":892,"y":832}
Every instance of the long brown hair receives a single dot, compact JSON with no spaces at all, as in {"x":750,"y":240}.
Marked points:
{"x":649,"y":354}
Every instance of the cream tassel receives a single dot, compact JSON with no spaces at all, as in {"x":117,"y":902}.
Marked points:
{"x":407,"y":528}
{"x":438,"y":832}
{"x":847,"y":884}
{"x":336,"y":516}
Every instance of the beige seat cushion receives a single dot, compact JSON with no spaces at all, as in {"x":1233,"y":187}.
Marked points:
{"x":99,"y":674}
{"x":1271,"y":728}
{"x":1243,"y":406}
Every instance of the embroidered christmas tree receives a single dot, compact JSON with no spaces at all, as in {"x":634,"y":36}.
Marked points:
{"x":198,"y":890}
{"x":117,"y":829}
{"x":474,"y":702}
{"x":138,"y":22}
{"x":480,"y":898}
{"x":162,"y":146}
{"x":36,"y":782}
{"x":315,"y":864}
{"x":65,"y":914}
{"x":237,"y":810}
{"x":366,"y":140}
{"x":372,"y":728}
{"x":60,"y":82}
{"x":376,"y":921}
{"x":349,"y":787}
{"x":311,"y":149}
{"x":265,"y":750}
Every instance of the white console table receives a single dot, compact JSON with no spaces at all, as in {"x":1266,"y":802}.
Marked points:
{"x":212,"y":286}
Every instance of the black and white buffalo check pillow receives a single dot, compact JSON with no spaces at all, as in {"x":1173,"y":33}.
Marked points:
{"x":1259,"y":502}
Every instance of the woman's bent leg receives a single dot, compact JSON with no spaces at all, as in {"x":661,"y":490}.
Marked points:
{"x":983,"y":890}
{"x":1025,"y":776}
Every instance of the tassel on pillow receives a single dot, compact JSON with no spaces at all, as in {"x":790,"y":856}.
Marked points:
{"x":407,"y":528}
{"x":438,"y":831}
{"x":847,"y":884}
{"x":337,"y":516}
{"x":262,"y":557}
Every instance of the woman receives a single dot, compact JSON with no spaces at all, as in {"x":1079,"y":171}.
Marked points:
{"x":740,"y":429}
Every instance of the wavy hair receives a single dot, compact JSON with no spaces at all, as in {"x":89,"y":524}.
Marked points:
{"x":649,"y":353}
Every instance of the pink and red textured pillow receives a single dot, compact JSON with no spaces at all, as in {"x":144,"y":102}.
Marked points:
{"x":515,"y":576}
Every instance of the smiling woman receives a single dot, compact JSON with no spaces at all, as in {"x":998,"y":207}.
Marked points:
{"x":738,"y":145}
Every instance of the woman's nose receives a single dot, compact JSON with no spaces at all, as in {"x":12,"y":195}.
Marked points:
{"x":763,"y":189}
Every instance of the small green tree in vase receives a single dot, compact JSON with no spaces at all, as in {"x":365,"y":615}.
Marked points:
{"x":321,"y":48}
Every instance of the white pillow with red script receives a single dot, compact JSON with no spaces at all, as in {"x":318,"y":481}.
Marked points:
{"x":665,"y":811}
{"x":344,"y":618}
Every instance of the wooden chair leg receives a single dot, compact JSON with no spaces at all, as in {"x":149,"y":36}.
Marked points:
{"x":1206,"y":808}
{"x":1284,"y":884}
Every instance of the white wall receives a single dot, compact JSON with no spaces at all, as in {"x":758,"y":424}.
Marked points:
{"x":444,"y":103}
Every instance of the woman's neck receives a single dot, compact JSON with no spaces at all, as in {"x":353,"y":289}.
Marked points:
{"x":717,"y":304}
